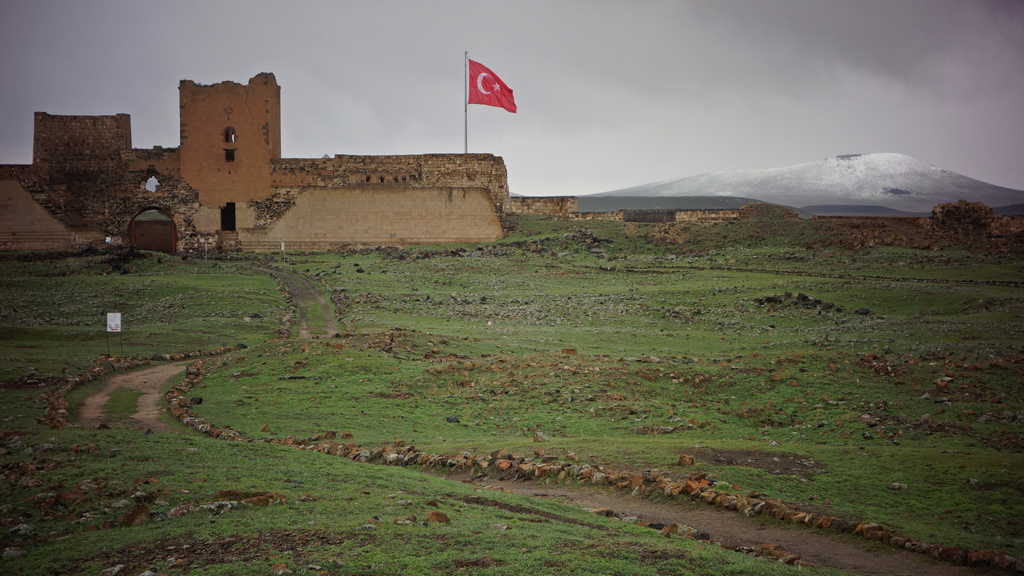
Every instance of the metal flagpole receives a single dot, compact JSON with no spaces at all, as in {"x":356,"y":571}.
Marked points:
{"x":465,"y":97}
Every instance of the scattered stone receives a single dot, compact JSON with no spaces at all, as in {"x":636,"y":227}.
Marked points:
{"x":12,"y":552}
{"x":862,"y":311}
{"x":366,"y":528}
{"x":540,"y":437}
{"x":898,"y":486}
{"x":685,"y":460}
{"x":452,"y":419}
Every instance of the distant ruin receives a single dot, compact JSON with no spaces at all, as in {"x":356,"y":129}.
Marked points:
{"x":226,"y":186}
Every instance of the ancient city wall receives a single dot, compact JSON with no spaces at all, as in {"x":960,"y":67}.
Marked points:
{"x":68,"y":140}
{"x":25,"y":225}
{"x":662,"y":216}
{"x":321,"y":218}
{"x":561,"y":206}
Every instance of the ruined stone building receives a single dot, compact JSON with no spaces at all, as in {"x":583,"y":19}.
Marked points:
{"x":227,"y":185}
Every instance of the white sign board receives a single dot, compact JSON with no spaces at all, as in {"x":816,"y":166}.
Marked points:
{"x":113,"y":321}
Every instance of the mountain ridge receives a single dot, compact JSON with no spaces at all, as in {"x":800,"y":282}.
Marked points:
{"x":890,"y":180}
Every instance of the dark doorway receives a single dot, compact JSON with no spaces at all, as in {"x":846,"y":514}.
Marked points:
{"x":227,"y":216}
{"x":153,"y":230}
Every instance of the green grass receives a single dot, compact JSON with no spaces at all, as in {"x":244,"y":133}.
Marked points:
{"x":658,"y":335}
{"x":121,"y":405}
{"x":53,"y":316}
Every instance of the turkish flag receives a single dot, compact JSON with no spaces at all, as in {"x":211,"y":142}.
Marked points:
{"x":486,"y":88}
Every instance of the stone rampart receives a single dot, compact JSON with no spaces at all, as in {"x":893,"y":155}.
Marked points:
{"x":561,"y":206}
{"x":374,"y":215}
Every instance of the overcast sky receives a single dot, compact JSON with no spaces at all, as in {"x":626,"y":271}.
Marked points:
{"x":610,"y":94}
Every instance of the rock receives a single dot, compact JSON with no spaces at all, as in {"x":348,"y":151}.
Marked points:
{"x":12,"y":552}
{"x":501,"y":527}
{"x":346,"y":435}
{"x":366,"y":528}
{"x":438,"y":517}
{"x":898,"y":486}
{"x":118,"y":570}
{"x":196,"y":400}
{"x":135,"y":516}
{"x":265,"y":428}
{"x":21,"y":530}
{"x":866,"y":435}
{"x":685,"y":460}
{"x":603,"y":512}
{"x":862,"y":311}
{"x":452,"y":419}
{"x":540,"y":437}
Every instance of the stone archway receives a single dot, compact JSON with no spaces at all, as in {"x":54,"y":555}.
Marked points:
{"x":153,"y":229}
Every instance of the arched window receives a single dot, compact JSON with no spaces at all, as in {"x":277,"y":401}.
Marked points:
{"x":367,"y":178}
{"x":229,"y":134}
{"x":151,"y":184}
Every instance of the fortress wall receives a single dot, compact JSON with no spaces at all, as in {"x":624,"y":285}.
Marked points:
{"x":484,"y":171}
{"x":561,"y":206}
{"x":163,"y":163}
{"x":25,"y":225}
{"x":64,"y":140}
{"x":707,"y":215}
{"x":325,"y":217}
{"x":616,"y":216}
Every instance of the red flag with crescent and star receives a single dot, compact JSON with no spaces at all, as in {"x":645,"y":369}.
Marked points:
{"x":486,"y":88}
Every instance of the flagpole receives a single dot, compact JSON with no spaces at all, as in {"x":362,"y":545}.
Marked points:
{"x":465,"y":100}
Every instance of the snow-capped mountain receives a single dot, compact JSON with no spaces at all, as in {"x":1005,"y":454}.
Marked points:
{"x":889,"y":180}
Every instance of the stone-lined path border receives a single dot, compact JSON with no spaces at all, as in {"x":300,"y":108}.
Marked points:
{"x":548,"y":468}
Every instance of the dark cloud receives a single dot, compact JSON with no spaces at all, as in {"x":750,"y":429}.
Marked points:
{"x":610,"y":94}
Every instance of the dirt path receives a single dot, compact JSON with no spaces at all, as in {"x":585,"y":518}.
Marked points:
{"x":732,"y":529}
{"x":307,"y":298}
{"x":150,"y":405}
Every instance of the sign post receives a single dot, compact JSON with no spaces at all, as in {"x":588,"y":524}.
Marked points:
{"x":114,"y":325}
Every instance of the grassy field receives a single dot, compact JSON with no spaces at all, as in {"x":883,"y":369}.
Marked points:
{"x":814,"y":373}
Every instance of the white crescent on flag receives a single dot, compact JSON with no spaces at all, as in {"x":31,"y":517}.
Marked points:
{"x":480,"y":82}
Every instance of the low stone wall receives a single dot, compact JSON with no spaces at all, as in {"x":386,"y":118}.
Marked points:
{"x":561,"y":206}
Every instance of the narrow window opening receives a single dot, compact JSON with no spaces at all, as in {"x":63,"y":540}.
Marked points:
{"x":229,"y":154}
{"x":403,"y":179}
{"x":396,"y":179}
{"x":367,"y":177}
{"x":381,"y":179}
{"x":229,"y":135}
{"x":152,"y":184}
{"x":227,"y":216}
